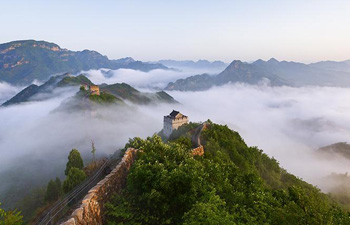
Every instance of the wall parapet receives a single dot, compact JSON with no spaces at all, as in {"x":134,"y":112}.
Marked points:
{"x":91,"y":210}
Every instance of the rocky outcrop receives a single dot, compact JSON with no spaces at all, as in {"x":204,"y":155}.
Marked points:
{"x":91,"y":210}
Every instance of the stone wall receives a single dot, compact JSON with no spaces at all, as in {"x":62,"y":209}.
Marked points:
{"x":198,"y":151}
{"x":178,"y":122}
{"x":91,"y":210}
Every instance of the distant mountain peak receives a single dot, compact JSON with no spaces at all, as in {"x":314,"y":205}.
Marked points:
{"x":11,"y":46}
{"x":259,"y":61}
{"x":273,"y":60}
{"x":125,"y":61}
{"x":129,"y":59}
{"x":203,"y":61}
{"x":236,"y":64}
{"x":200,"y":64}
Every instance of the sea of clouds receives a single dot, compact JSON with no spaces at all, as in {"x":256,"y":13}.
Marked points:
{"x":155,"y":79}
{"x":288,"y":123}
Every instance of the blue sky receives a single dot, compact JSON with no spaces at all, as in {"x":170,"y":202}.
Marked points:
{"x":306,"y":31}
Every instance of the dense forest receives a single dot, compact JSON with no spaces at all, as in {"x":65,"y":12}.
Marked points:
{"x":231,"y":184}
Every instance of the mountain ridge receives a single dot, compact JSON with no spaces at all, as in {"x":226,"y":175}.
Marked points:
{"x":276,"y":72}
{"x":193,"y":64}
{"x":121,"y":91}
{"x":22,"y":62}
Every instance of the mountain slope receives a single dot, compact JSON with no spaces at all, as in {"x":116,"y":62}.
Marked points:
{"x":299,"y":74}
{"x":193,"y":83}
{"x":237,"y":71}
{"x":341,"y":149}
{"x":332,"y":65}
{"x":126,"y":92}
{"x":46,"y":89}
{"x":21,"y":62}
{"x":231,"y":183}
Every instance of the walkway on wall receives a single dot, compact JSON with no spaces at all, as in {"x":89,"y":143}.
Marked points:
{"x":196,"y":140}
{"x":196,"y":137}
{"x":60,"y":208}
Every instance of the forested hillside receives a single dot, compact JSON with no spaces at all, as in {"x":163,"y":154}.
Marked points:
{"x":231,"y":184}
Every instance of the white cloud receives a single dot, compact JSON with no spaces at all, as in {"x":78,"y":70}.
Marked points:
{"x":7,"y":91}
{"x":153,"y":79}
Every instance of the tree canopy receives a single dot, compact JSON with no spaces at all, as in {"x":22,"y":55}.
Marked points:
{"x":53,"y":190}
{"x":10,"y":217}
{"x":75,"y":177}
{"x":74,"y":160}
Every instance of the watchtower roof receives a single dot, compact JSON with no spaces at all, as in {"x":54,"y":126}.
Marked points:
{"x":176,"y":115}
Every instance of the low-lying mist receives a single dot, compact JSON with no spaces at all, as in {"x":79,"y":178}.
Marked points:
{"x":288,"y":123}
{"x":7,"y":91}
{"x":153,"y":79}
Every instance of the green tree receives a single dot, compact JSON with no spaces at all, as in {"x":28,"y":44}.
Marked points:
{"x":31,"y":202}
{"x":164,"y":182}
{"x":119,"y":211}
{"x":10,"y":217}
{"x":93,"y":151}
{"x":75,"y":177}
{"x":185,"y":141}
{"x":53,"y":190}
{"x":211,"y":210}
{"x":74,"y":160}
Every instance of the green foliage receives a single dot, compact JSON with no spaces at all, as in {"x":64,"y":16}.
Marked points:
{"x":74,"y":160}
{"x":119,"y":210}
{"x":209,"y":210}
{"x":184,"y":131}
{"x":53,"y":190}
{"x":10,"y":217}
{"x":184,"y":141}
{"x":74,"y":81}
{"x":104,"y":98}
{"x":125,"y":91}
{"x":31,"y":202}
{"x":93,"y":151}
{"x":231,"y":184}
{"x":75,"y":177}
{"x":74,"y":171}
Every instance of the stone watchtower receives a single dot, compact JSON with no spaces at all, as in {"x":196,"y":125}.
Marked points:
{"x":94,"y":89}
{"x":173,"y":121}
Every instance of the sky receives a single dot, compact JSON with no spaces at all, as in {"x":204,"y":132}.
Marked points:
{"x":293,"y":30}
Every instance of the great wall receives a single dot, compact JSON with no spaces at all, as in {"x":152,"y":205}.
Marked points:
{"x":91,"y":209}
